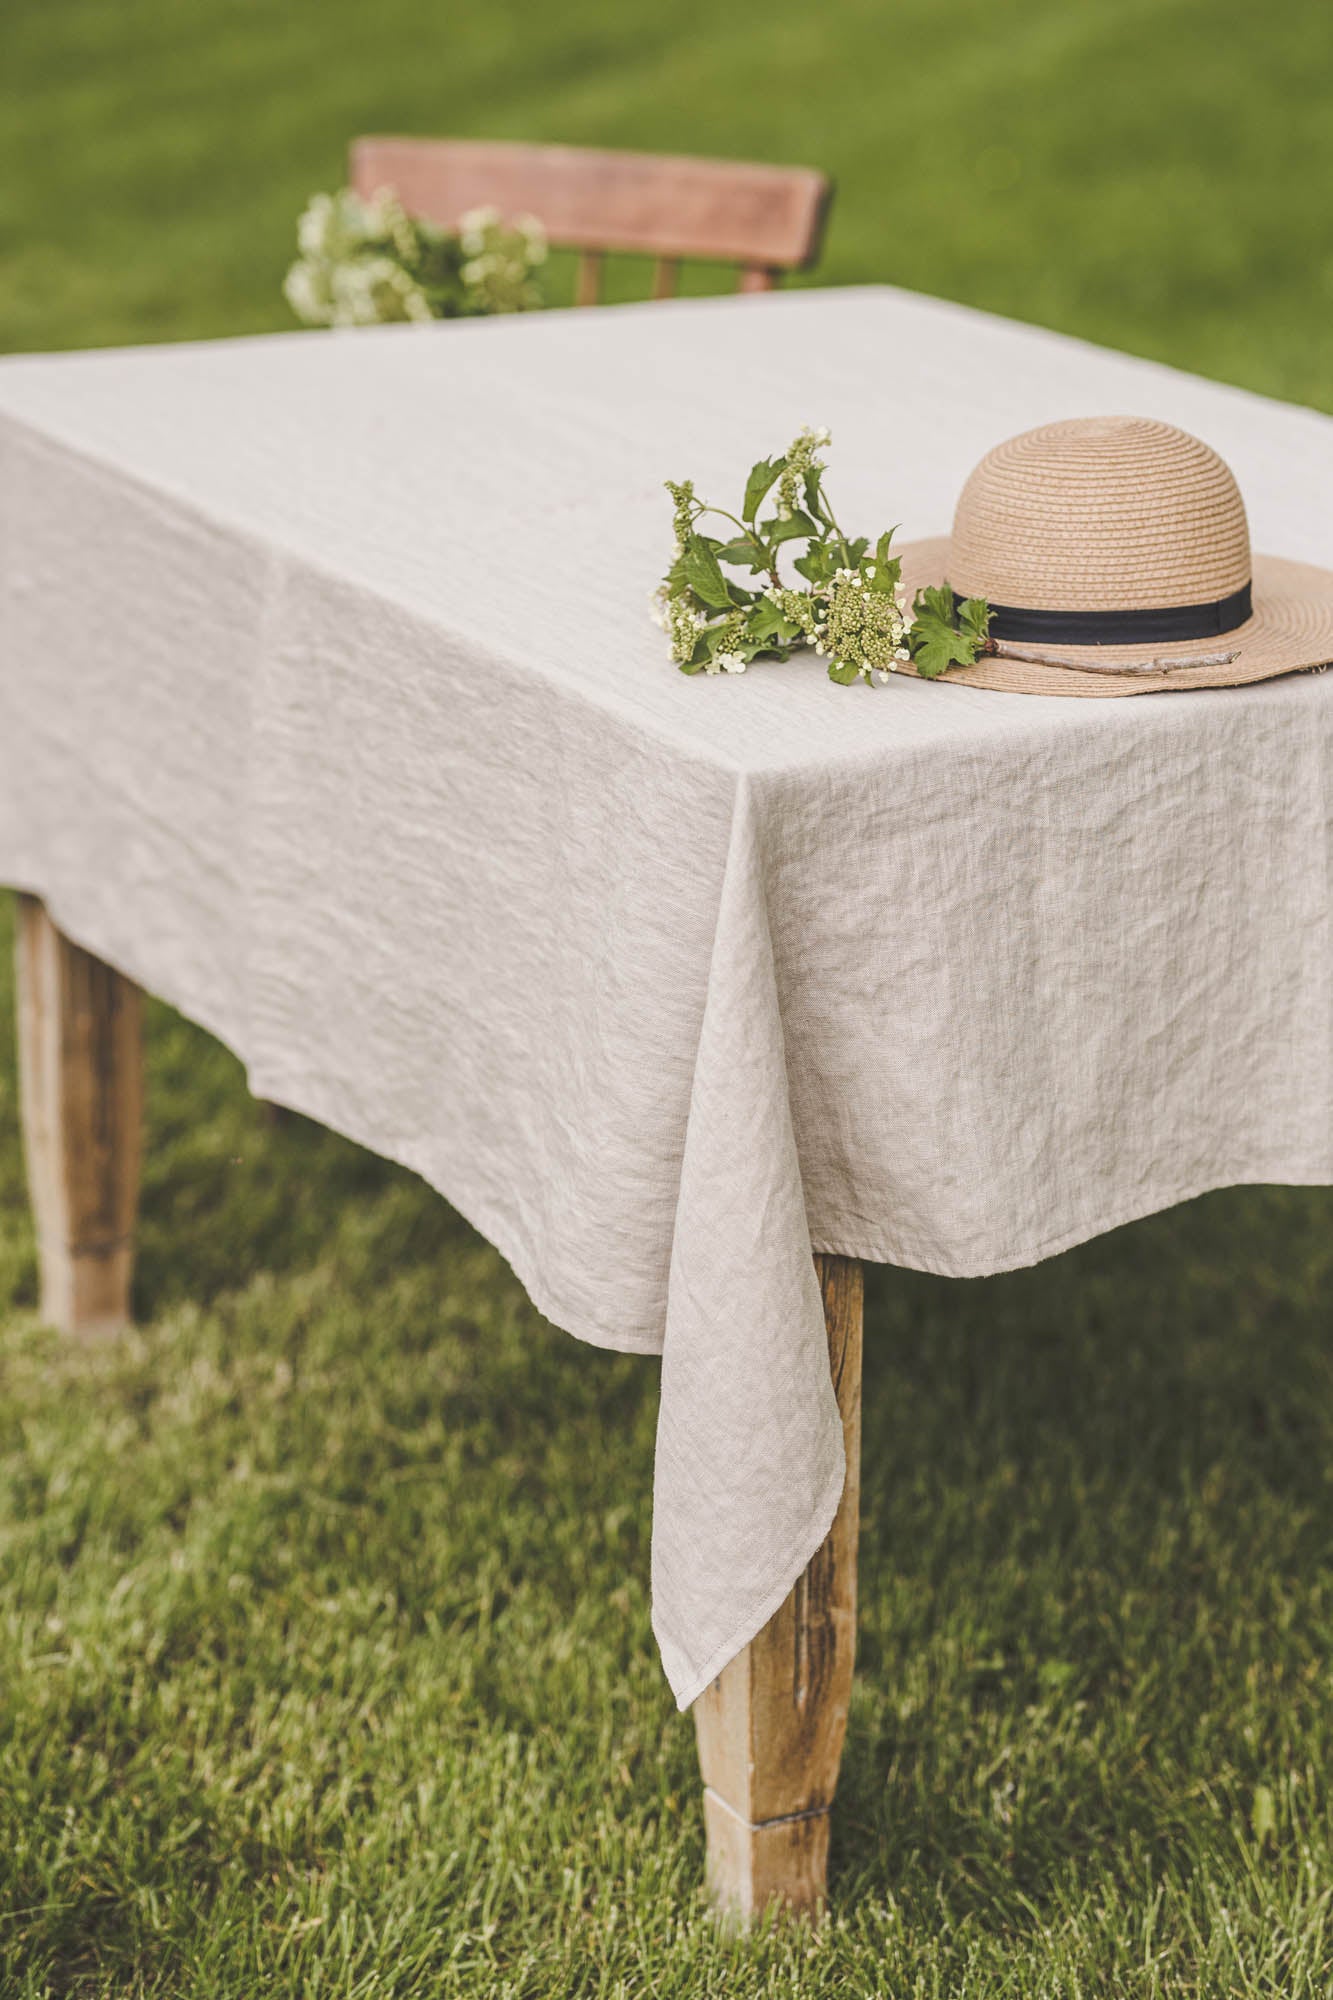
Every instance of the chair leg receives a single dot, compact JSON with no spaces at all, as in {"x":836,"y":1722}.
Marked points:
{"x":771,"y":1727}
{"x":81,"y":1092}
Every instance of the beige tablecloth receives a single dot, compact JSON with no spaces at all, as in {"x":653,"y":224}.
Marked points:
{"x":330,"y":709}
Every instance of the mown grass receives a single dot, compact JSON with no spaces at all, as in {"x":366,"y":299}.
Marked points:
{"x":325,"y":1664}
{"x":324,"y":1637}
{"x":1151,"y":173}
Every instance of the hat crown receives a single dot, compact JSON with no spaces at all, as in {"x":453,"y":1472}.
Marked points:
{"x":1100,"y":514}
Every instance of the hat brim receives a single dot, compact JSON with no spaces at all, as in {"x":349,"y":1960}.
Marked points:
{"x":1291,"y":630}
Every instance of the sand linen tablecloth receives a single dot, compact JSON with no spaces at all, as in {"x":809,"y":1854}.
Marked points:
{"x":331,"y":710}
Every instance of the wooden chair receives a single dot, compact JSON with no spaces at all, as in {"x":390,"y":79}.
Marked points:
{"x":766,"y":219}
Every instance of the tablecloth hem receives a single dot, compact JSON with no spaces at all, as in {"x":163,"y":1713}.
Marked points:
{"x":831,"y":1243}
{"x":687,"y":1682}
{"x":273,"y":1090}
{"x":487,"y":1226}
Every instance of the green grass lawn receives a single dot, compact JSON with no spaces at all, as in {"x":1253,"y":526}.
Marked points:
{"x":1150,"y":173}
{"x":325,"y":1662}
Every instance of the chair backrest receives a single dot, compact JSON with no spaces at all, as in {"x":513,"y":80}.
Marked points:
{"x":766,"y":219}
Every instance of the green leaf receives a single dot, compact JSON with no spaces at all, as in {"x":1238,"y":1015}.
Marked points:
{"x":888,"y":569}
{"x":765,"y":621}
{"x":763,"y":477}
{"x":818,"y":563}
{"x":844,"y":672}
{"x":797,"y":527}
{"x":700,"y":570}
{"x":934,"y":600}
{"x":886,"y":578}
{"x":746,"y":550}
{"x":974,"y":618}
{"x":935,"y":648}
{"x":935,"y":640}
{"x":767,"y":624}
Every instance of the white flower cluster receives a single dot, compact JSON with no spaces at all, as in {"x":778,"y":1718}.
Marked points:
{"x":681,"y":624}
{"x":363,"y":262}
{"x":800,"y":460}
{"x":352,"y":270}
{"x":800,"y":606}
{"x":363,"y":291}
{"x":337,"y":225}
{"x":499,"y":260}
{"x":862,"y":627}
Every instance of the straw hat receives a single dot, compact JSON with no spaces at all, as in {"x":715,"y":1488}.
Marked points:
{"x":1115,"y":555}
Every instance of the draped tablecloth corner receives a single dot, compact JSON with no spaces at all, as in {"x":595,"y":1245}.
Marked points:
{"x":381,"y":773}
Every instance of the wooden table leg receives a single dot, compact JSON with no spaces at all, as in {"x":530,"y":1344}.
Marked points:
{"x":81,"y":1091}
{"x":771,"y":1726}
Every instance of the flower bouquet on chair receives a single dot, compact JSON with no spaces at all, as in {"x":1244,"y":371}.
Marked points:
{"x":365,"y":262}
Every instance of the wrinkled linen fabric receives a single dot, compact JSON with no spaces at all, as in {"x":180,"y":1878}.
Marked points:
{"x":330,"y":709}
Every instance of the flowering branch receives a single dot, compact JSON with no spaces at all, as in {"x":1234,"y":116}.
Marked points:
{"x":852,"y":610}
{"x":362,"y":262}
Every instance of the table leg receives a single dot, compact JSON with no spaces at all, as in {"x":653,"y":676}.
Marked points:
{"x":771,"y":1726}
{"x":81,"y":1091}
